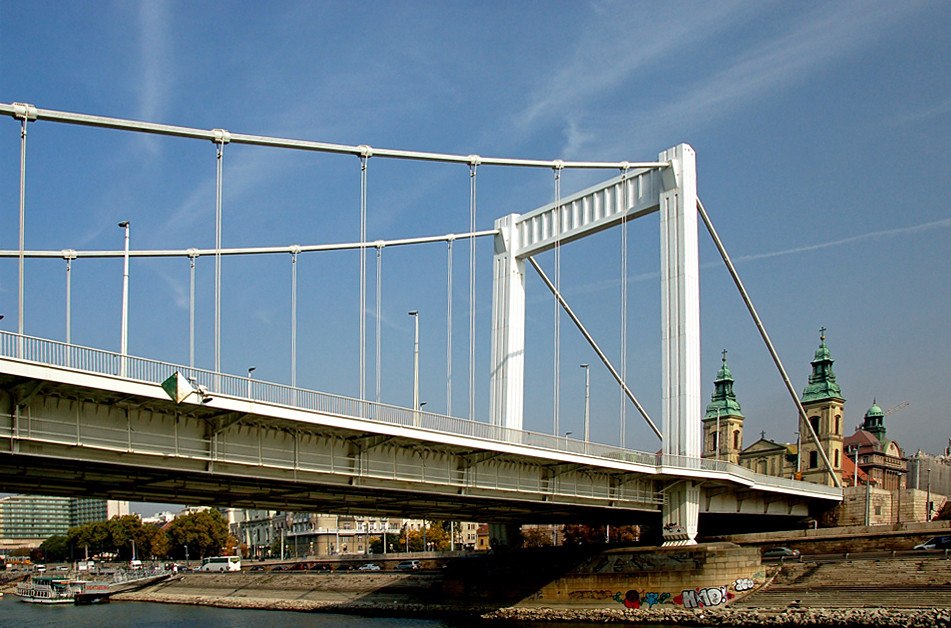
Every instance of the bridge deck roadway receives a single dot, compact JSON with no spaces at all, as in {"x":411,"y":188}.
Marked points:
{"x":87,"y":432}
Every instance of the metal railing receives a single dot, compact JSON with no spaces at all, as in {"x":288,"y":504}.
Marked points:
{"x":85,"y":359}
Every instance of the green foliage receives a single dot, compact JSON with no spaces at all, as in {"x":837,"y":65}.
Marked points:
{"x":55,"y":548}
{"x":437,"y":540}
{"x":205,"y":533}
{"x":119,"y":535}
{"x":536,"y":538}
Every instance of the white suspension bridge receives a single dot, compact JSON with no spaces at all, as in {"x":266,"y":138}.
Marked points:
{"x":81,"y":420}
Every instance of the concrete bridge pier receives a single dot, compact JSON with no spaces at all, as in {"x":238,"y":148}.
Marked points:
{"x":681,"y":513}
{"x":505,"y":535}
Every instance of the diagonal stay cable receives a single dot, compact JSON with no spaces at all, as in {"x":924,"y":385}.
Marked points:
{"x":769,"y":344}
{"x":594,"y":345}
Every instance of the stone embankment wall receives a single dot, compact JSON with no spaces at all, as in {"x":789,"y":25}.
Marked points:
{"x":691,"y":577}
{"x":902,"y":536}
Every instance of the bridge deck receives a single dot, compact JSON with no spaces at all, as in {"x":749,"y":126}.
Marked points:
{"x":67,"y":404}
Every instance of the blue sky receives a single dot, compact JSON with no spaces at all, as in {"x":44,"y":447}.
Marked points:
{"x":820,"y":131}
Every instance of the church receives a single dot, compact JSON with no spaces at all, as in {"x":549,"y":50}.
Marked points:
{"x":867,"y":457}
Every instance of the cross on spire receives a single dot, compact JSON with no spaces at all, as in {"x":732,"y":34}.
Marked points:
{"x":724,"y":356}
{"x":822,"y":334}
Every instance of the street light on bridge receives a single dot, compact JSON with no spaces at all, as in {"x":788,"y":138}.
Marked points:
{"x":251,"y":369}
{"x":587,"y":402}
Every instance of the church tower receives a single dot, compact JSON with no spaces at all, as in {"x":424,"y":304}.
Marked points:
{"x":824,"y":405}
{"x":874,"y":422}
{"x":723,"y":421}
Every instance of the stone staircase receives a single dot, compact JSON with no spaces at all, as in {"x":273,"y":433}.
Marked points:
{"x":869,"y":583}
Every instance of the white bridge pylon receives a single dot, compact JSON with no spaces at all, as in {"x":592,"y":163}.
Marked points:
{"x":672,"y":191}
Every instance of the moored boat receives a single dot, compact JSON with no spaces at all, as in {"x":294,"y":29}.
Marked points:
{"x":50,"y":590}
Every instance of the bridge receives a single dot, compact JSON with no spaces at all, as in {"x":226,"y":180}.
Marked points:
{"x":84,"y":421}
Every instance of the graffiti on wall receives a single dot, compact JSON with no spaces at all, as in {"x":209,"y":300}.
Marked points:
{"x":707,"y":597}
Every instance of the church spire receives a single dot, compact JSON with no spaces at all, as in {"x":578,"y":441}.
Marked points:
{"x":822,"y":381}
{"x":723,"y":398}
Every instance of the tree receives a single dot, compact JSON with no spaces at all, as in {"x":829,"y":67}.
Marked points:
{"x":536,"y":538}
{"x":155,"y":542}
{"x":204,"y":533}
{"x":127,"y":535}
{"x":55,"y":548}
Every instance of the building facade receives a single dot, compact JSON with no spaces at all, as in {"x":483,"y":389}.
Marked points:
{"x":28,"y":520}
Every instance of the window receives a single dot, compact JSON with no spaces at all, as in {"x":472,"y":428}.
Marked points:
{"x":736,"y":439}
{"x":836,"y":457}
{"x":813,"y":459}
{"x":814,"y":421}
{"x":878,"y":510}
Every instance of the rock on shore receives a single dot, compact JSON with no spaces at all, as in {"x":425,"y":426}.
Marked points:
{"x":739,"y":618}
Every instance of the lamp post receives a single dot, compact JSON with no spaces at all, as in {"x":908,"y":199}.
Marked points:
{"x":928,"y":501}
{"x":798,"y":456}
{"x":567,"y":434}
{"x":587,"y":402}
{"x":251,"y":369}
{"x":415,"y":315}
{"x":124,"y":347}
{"x":855,"y":473}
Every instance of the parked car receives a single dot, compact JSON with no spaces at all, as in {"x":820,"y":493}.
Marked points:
{"x":319,"y":567}
{"x":408,"y":565}
{"x":345,"y":567}
{"x":369,"y":567}
{"x":938,"y":542}
{"x":281,"y":568}
{"x":257,"y":568}
{"x":781,"y":552}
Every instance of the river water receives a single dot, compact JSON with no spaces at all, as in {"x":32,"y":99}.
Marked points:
{"x":13,"y":612}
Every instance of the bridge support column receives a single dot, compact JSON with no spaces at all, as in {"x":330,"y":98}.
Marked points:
{"x":680,"y":305}
{"x":508,"y":328}
{"x":505,"y":535}
{"x":681,"y":513}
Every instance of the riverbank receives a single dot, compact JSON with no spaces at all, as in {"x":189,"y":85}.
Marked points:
{"x":737,"y":618}
{"x":721,"y":617}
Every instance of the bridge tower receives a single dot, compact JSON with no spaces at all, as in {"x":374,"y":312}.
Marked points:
{"x":670,"y":190}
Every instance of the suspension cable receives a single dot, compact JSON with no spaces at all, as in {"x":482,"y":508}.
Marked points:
{"x":449,"y":328}
{"x":803,"y":418}
{"x":220,"y":139}
{"x":25,"y":113}
{"x":51,"y":115}
{"x":294,"y":319}
{"x":594,"y":345}
{"x":556,"y":359}
{"x":623,"y":417}
{"x":364,"y":157}
{"x":69,"y":256}
{"x":473,"y":165}
{"x":192,"y":254}
{"x":379,"y":316}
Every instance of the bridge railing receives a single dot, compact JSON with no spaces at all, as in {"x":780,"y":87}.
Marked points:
{"x":54,"y":353}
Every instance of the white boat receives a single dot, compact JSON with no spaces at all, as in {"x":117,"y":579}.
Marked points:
{"x":50,"y":590}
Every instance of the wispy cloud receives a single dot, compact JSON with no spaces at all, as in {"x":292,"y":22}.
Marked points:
{"x":154,"y":50}
{"x":874,"y":235}
{"x":612,"y":283}
{"x":626,"y":71}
